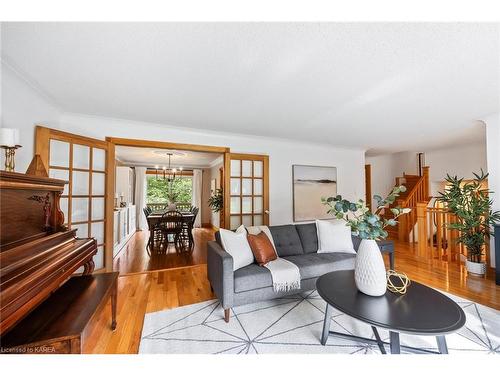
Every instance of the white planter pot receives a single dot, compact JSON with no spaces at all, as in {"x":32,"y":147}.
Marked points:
{"x":369,"y":272}
{"x":476,"y":268}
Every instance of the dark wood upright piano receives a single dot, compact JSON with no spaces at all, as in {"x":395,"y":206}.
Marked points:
{"x":40,"y":299}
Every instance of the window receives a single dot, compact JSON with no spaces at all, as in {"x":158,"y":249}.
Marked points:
{"x":158,"y":190}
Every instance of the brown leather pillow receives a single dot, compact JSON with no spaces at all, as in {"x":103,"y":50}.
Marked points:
{"x":262,"y":248}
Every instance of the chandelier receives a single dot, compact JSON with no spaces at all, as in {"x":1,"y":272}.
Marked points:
{"x":169,"y":174}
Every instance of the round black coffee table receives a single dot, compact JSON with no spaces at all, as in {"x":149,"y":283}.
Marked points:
{"x":421,"y":311}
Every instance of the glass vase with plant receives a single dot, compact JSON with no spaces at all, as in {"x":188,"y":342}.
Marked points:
{"x":471,"y":203}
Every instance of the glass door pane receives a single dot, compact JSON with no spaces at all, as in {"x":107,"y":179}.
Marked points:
{"x":248,"y":195}
{"x":83,"y":202}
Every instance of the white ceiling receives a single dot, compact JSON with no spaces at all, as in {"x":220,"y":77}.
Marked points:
{"x":383,"y":87}
{"x":149,"y":157}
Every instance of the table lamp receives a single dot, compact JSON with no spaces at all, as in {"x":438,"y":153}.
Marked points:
{"x":9,"y":140}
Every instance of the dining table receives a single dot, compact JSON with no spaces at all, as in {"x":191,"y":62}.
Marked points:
{"x":156,"y":217}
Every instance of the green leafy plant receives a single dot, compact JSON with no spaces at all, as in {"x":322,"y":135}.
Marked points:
{"x":159,"y":190}
{"x":216,"y":201}
{"x":470,"y":202}
{"x":363,"y":222}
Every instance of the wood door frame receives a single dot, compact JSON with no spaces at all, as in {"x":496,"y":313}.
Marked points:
{"x":227,"y":184}
{"x":167,"y":145}
{"x":43,"y":135}
{"x":368,"y":185}
{"x":131,"y":142}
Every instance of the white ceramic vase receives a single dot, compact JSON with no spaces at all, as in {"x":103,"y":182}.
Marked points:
{"x":369,"y":272}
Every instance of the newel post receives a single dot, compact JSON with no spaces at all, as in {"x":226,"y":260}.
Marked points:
{"x":425,"y":174}
{"x":422,"y":227}
{"x":403,"y":234}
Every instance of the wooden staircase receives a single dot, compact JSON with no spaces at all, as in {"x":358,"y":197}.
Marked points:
{"x":417,"y":191}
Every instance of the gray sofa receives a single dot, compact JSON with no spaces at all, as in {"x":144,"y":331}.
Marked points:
{"x":296,"y":243}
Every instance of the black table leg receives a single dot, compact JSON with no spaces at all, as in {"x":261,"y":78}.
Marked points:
{"x":380,"y":343}
{"x":326,"y":324}
{"x":395,"y":345}
{"x":441,"y":342}
{"x":391,"y":260}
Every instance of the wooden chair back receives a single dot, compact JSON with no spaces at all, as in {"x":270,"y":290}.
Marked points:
{"x":171,"y":221}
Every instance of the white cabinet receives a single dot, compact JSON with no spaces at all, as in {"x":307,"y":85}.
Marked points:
{"x":124,"y":227}
{"x":124,"y":183}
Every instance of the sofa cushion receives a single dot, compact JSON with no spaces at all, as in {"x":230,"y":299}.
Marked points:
{"x":252,"y":277}
{"x":236,"y":244}
{"x":308,"y":237}
{"x":286,"y":239}
{"x":262,"y":248}
{"x":310,"y":266}
{"x":334,"y":236}
{"x":315,"y":265}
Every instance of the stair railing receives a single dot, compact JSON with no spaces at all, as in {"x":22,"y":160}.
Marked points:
{"x":435,"y":239}
{"x":418,"y":193}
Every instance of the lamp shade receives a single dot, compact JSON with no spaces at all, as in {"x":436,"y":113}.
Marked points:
{"x":9,"y":137}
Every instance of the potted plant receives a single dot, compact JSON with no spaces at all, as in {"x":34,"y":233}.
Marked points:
{"x":216,"y":201}
{"x":369,"y":271}
{"x":471,"y":203}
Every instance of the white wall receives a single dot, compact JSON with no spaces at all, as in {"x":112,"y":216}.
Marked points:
{"x":459,"y":160}
{"x":385,"y":169}
{"x":205,"y":211}
{"x":493,"y":154}
{"x":23,"y":106}
{"x":282,"y":154}
{"x":124,"y":184}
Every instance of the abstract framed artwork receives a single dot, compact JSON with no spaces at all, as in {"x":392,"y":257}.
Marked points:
{"x":310,"y":184}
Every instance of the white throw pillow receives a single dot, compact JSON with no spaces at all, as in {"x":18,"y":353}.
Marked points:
{"x":236,"y":244}
{"x":334,"y":236}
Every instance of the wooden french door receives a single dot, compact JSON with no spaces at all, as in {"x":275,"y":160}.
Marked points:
{"x":86,"y":202}
{"x":246,"y":197}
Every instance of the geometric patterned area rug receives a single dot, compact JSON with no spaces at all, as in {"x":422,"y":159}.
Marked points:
{"x":293,"y":324}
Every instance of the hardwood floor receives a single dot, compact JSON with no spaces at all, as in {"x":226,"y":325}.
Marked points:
{"x":142,"y":293}
{"x":139,"y":294}
{"x":134,"y":258}
{"x":450,"y":277}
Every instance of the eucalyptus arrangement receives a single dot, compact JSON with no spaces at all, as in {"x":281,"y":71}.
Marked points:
{"x":470,"y":201}
{"x":171,"y":196}
{"x":363,"y":222}
{"x":369,"y":271}
{"x":216,"y":201}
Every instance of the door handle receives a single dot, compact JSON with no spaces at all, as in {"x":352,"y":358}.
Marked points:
{"x":267,"y":212}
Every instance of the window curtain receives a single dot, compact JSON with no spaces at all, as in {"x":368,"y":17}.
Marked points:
{"x":196,"y":198}
{"x":140,"y":197}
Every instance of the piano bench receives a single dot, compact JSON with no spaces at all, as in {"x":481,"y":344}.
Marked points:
{"x":58,"y":324}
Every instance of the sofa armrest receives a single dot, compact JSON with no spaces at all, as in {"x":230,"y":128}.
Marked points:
{"x":356,"y":242}
{"x":386,"y":246}
{"x":220,"y":273}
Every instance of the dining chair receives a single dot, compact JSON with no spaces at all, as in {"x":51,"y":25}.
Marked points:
{"x":190,"y":225}
{"x":171,"y":225}
{"x":155,"y":234}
